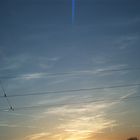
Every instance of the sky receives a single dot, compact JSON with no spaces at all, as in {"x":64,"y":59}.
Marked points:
{"x":70,"y":71}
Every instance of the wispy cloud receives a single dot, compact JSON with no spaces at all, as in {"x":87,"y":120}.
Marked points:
{"x":14,"y":66}
{"x":79,"y":121}
{"x":110,"y":69}
{"x":38,"y":136}
{"x":82,"y":121}
{"x":20,"y":60}
{"x":13,"y":62}
{"x":31,"y":76}
{"x":17,"y":126}
{"x":125,"y":42}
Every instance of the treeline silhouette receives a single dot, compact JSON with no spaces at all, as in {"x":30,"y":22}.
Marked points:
{"x":133,"y":138}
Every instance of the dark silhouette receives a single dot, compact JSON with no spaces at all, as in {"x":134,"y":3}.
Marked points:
{"x":133,"y":138}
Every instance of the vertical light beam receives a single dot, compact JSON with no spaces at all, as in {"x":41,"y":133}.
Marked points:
{"x":73,"y":11}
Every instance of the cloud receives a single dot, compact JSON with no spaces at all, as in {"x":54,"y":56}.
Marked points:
{"x":78,"y":109}
{"x":79,"y":128}
{"x":125,"y":42}
{"x":16,"y":126}
{"x":110,"y":69}
{"x":74,"y":121}
{"x":8,"y":125}
{"x":87,"y":125}
{"x":27,"y":66}
{"x":38,"y":136}
{"x":20,"y":60}
{"x":13,"y":62}
{"x":46,"y":62}
{"x":31,"y":76}
{"x":77,"y":121}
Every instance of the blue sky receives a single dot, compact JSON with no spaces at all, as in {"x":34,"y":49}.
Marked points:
{"x":41,"y":50}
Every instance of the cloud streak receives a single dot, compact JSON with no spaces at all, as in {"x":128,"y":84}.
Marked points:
{"x":79,"y":122}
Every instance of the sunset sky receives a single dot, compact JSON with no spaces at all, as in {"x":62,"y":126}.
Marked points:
{"x":70,"y":69}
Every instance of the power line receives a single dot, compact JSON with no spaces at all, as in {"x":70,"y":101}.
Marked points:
{"x":74,"y":103}
{"x":44,"y":74}
{"x":64,"y":91}
{"x":5,"y":96}
{"x":71,"y":90}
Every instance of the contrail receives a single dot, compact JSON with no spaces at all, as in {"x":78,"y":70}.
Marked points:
{"x":73,"y":11}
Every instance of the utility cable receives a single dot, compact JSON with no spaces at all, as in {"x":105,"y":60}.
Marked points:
{"x":6,"y":97}
{"x":44,"y":74}
{"x":72,"y":90}
{"x":74,"y":103}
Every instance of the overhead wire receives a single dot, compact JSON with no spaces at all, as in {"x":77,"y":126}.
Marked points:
{"x":64,"y":91}
{"x":73,"y":103}
{"x":45,"y":74}
{"x":6,"y":97}
{"x":72,"y":90}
